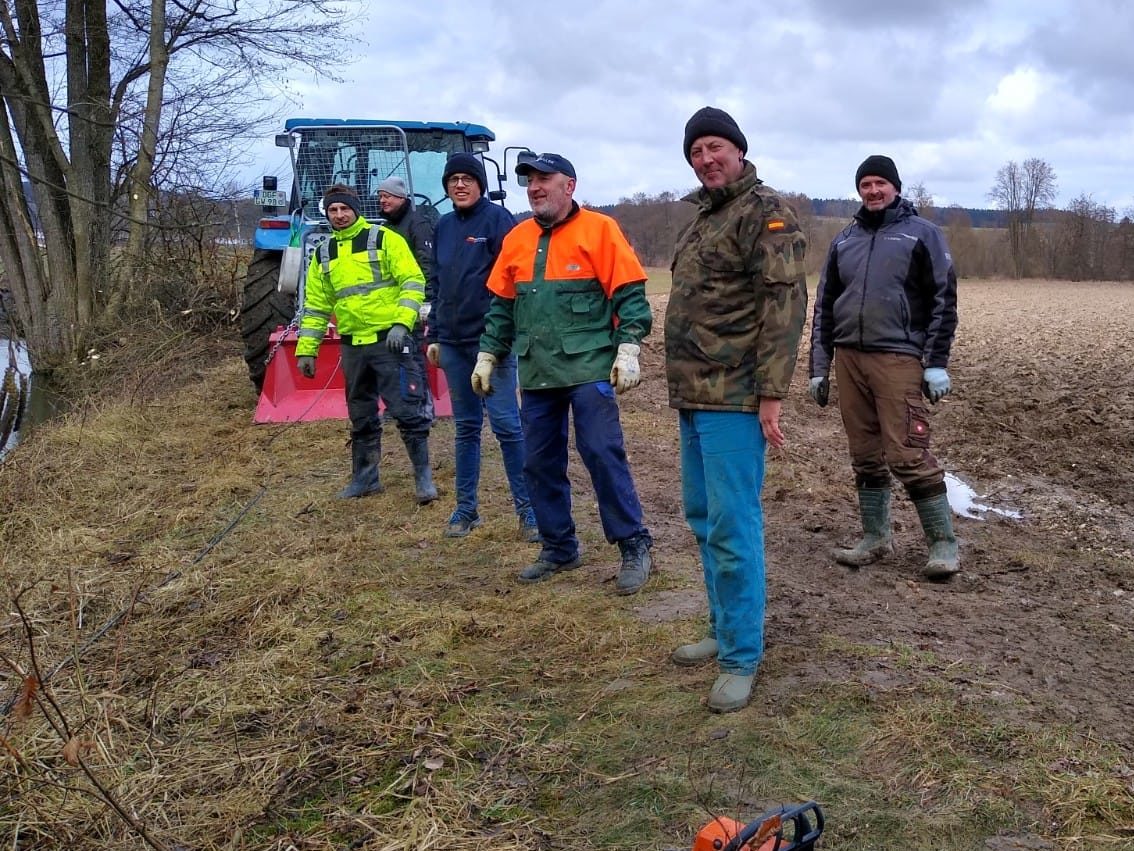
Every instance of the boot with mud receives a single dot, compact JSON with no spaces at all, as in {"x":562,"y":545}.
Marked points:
{"x":364,"y":460}
{"x":730,"y":692}
{"x":689,"y":655}
{"x":937,"y":523}
{"x":418,"y":448}
{"x":877,"y":541}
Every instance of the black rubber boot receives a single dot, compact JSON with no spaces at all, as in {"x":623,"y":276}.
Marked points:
{"x":877,"y":542}
{"x":418,"y":448}
{"x":364,"y":461}
{"x":937,"y":522}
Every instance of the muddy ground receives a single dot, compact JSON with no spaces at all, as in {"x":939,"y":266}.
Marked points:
{"x":1040,"y":422}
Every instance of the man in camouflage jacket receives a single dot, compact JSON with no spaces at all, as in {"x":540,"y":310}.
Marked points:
{"x":732,"y":330}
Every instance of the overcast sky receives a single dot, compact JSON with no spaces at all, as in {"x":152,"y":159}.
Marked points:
{"x":951,"y":90}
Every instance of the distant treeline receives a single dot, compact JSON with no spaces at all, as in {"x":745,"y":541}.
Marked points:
{"x":1084,"y":242}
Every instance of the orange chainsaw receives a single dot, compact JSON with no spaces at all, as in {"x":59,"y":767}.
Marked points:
{"x":785,"y":829}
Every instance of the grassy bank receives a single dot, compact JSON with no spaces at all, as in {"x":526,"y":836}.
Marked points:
{"x":246,"y":663}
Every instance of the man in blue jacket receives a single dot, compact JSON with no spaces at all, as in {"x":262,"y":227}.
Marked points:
{"x":886,"y":313}
{"x":465,"y":245}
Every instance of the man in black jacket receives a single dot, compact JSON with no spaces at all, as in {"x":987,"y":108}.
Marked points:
{"x":887,"y":305}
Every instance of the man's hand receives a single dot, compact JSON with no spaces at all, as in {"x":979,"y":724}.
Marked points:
{"x":820,"y":390}
{"x":482,"y":373}
{"x":626,"y":374}
{"x":935,"y":384}
{"x":397,"y":338}
{"x":306,"y":365}
{"x":770,"y":421}
{"x":433,"y":354}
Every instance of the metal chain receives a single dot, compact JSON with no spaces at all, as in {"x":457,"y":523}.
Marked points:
{"x":291,"y":326}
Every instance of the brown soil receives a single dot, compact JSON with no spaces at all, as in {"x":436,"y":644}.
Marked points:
{"x":1039,"y":421}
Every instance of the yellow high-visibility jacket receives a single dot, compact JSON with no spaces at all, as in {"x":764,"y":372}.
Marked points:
{"x":366,"y":275}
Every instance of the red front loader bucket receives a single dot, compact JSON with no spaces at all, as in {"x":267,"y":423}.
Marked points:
{"x":288,"y":397}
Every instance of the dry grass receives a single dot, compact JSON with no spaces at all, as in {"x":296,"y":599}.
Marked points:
{"x":329,"y":675}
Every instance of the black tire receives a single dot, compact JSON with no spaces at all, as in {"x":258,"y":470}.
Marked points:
{"x":263,"y":309}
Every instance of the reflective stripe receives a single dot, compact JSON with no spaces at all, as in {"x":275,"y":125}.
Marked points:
{"x":363,"y":289}
{"x":372,"y":252}
{"x":413,"y":287}
{"x":311,"y":332}
{"x":325,"y":256}
{"x":316,"y":314}
{"x":407,"y":302}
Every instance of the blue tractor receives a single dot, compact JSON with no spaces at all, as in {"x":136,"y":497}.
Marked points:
{"x":361,"y":154}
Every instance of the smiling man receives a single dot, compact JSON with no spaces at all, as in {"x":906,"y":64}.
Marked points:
{"x":732,"y":329}
{"x":886,"y":313}
{"x":569,"y":299}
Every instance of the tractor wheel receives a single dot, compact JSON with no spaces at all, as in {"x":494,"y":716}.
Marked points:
{"x":263,"y":309}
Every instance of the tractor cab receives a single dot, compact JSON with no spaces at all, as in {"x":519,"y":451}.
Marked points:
{"x":360,"y":154}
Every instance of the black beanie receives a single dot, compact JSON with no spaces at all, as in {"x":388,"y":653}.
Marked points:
{"x":342,"y":194}
{"x":464,"y":163}
{"x":878,"y":166}
{"x":710,"y":121}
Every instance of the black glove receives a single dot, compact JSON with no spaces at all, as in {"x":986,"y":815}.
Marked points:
{"x":306,"y":365}
{"x":397,"y":338}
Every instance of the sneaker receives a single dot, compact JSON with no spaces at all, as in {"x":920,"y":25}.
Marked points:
{"x":688,"y":655}
{"x":636,"y":564}
{"x":544,"y":569}
{"x":730,"y":692}
{"x":459,"y":527}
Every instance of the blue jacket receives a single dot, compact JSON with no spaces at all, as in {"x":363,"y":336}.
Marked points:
{"x":888,"y":286}
{"x":465,"y":246}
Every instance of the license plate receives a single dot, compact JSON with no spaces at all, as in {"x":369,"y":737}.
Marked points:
{"x":269,"y":198}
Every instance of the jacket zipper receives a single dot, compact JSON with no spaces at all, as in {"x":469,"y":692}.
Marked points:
{"x":865,"y":281}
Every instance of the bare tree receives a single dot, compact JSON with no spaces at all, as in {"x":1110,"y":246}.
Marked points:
{"x":1085,"y":232}
{"x":1022,"y":191}
{"x":87,"y":87}
{"x":920,"y":197}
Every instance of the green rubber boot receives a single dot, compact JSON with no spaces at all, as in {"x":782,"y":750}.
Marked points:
{"x":937,"y":523}
{"x":365,"y":479}
{"x":877,"y":542}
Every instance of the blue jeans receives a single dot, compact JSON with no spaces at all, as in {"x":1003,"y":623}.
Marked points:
{"x":598,"y":437}
{"x":468,"y":414}
{"x":722,"y":473}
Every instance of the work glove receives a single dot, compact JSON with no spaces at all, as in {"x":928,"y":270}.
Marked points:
{"x":306,"y":365}
{"x":482,"y":373}
{"x":626,"y":374}
{"x":820,"y":390}
{"x":935,"y":384}
{"x":397,"y":338}
{"x":433,"y":354}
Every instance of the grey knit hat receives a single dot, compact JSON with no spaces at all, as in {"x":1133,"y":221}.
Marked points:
{"x":394,"y":185}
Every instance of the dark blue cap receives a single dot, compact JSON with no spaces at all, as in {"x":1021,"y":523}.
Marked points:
{"x":548,"y":164}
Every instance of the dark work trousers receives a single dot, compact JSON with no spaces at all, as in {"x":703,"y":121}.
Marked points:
{"x":887,"y":421}
{"x":598,"y":437}
{"x":373,"y":372}
{"x":418,"y":349}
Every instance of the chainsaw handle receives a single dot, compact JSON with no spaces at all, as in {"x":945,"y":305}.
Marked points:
{"x":806,"y":830}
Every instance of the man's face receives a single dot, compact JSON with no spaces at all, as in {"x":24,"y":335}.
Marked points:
{"x":877,"y":193}
{"x":550,"y":195}
{"x":463,"y":190}
{"x":390,"y":204}
{"x":341,"y":216}
{"x":716,"y":161}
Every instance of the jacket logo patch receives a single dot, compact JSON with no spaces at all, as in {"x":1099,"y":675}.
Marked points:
{"x":776,"y":224}
{"x":473,"y":240}
{"x":573,"y":267}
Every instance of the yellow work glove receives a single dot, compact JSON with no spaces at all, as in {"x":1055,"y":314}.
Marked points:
{"x":482,"y":373}
{"x":626,"y":374}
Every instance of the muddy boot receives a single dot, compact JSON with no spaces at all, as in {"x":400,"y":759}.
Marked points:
{"x":730,"y":692}
{"x":364,"y":460}
{"x":418,"y":448}
{"x":937,"y":523}
{"x":874,"y":506}
{"x":636,"y":564}
{"x":688,"y":655}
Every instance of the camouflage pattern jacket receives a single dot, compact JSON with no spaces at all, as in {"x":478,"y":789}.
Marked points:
{"x":738,"y":301}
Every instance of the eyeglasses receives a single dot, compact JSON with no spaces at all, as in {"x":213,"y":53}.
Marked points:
{"x":459,"y":180}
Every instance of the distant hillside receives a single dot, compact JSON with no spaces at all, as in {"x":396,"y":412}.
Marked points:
{"x":844,"y":208}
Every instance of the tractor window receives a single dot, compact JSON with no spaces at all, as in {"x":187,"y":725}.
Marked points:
{"x":363,"y":157}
